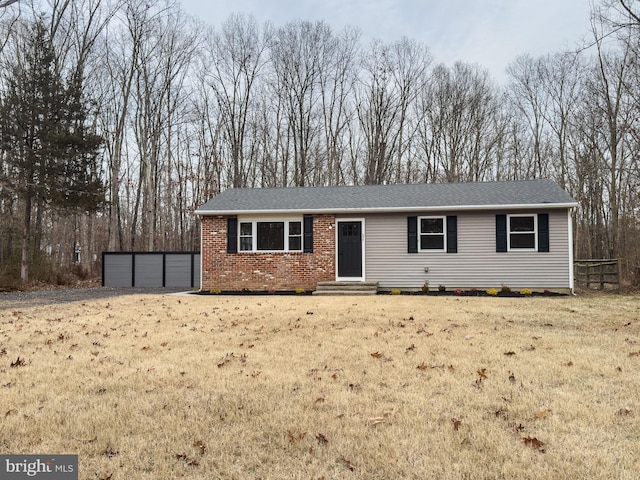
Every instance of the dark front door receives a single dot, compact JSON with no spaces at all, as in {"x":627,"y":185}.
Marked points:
{"x":350,"y":249}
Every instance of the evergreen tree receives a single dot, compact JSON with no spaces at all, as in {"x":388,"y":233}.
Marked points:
{"x":48,"y":143}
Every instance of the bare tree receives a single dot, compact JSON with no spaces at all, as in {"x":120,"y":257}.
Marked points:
{"x":562,"y":76}
{"x":235,"y":61}
{"x":527,"y":92}
{"x":460,"y":127}
{"x":298,"y":58}
{"x":391,"y":78}
{"x":337,"y":82}
{"x":7,"y":3}
{"x":609,"y":81}
{"x":165,"y":52}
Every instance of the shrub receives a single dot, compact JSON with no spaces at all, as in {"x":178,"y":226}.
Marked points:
{"x":425,"y":287}
{"x":458,"y":291}
{"x":492,"y":291}
{"x":215,"y":291}
{"x":442,"y":288}
{"x":505,"y":289}
{"x":525,"y":291}
{"x":395,"y":291}
{"x":300,"y":290}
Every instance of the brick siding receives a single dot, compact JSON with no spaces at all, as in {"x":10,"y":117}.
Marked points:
{"x":266,"y":271}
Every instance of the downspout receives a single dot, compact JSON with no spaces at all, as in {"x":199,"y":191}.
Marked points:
{"x":570,"y":233}
{"x":201,"y":251}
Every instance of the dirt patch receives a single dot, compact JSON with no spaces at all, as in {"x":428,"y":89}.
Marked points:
{"x":16,"y":299}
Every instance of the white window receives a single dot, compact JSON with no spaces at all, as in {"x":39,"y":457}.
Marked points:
{"x":270,"y":236}
{"x":246,"y":236}
{"x":432,"y":234}
{"x":295,"y":236}
{"x":522,"y":232}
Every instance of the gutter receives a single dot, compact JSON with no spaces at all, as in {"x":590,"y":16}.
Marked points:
{"x":439,"y":208}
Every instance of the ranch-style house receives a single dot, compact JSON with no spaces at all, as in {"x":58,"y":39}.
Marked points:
{"x":459,"y":235}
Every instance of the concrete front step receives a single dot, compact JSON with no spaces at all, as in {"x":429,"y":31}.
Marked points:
{"x":346,"y":288}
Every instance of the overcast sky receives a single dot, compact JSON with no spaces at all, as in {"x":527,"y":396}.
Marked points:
{"x":491,"y":33}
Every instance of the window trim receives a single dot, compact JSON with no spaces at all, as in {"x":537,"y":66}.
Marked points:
{"x":254,"y":233}
{"x":289,"y":236}
{"x":443,"y":234}
{"x":534,"y":232}
{"x":241,"y":236}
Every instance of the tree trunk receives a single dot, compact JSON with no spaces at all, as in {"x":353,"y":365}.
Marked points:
{"x":26,"y":236}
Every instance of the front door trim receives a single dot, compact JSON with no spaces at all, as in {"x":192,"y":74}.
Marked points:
{"x":362,"y":240}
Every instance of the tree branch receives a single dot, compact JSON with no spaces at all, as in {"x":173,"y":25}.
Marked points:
{"x":629,"y":11}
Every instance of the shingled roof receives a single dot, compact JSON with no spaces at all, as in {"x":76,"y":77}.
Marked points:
{"x":390,"y":198}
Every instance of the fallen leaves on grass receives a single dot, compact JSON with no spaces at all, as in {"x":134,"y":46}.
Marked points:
{"x":20,"y":362}
{"x":482,"y":373}
{"x":348,"y":464}
{"x":542,"y":413}
{"x":424,"y":366}
{"x":625,"y":412}
{"x":192,"y":462}
{"x":201,"y":446}
{"x":534,"y":443}
{"x":322,"y":439}
{"x":87,"y":440}
{"x":230,"y":356}
{"x":295,"y":436}
{"x":509,"y":354}
{"x":110,"y":452}
{"x":456,"y":424}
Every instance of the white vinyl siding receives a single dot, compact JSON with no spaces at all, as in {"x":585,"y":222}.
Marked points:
{"x":476,"y":265}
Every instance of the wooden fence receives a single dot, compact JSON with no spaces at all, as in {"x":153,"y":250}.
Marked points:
{"x":597,"y":272}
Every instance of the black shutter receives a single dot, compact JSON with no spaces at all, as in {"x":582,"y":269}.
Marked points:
{"x":412,"y":234}
{"x":543,"y":232}
{"x":501,"y":233}
{"x":452,"y":234}
{"x":307,"y":232}
{"x":232,"y":235}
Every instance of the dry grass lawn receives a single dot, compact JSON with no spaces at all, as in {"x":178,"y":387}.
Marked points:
{"x":271,"y":387}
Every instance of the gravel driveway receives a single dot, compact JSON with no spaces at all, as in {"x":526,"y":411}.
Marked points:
{"x":53,"y":297}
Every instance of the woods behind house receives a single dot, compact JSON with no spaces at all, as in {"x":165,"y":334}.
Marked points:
{"x":119,"y":118}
